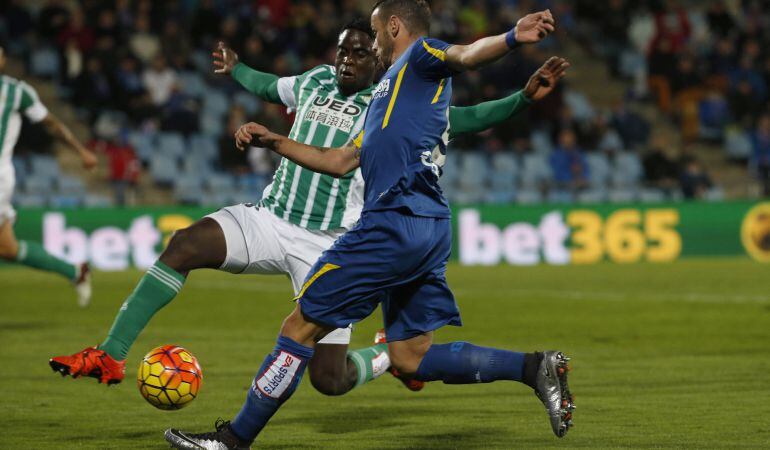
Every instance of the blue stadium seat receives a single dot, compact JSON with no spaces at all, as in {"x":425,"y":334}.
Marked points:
{"x":598,"y":170}
{"x":65,"y":201}
{"x":535,"y":171}
{"x":163,"y":169}
{"x":215,"y":103}
{"x":30,"y":200}
{"x":622,"y":195}
{"x":44,"y":62}
{"x":211,"y":124}
{"x":529,"y":196}
{"x":541,"y":142}
{"x":560,"y":196}
{"x":20,"y":167}
{"x":500,"y":197}
{"x":204,"y":145}
{"x":220,"y":182}
{"x":192,"y":84}
{"x":70,"y":185}
{"x":143,"y":144}
{"x":652,"y":195}
{"x":188,"y":190}
{"x":97,"y":201}
{"x":44,"y":165}
{"x":579,"y":104}
{"x":171,"y":145}
{"x":248,"y":101}
{"x":627,"y":171}
{"x":595,"y":195}
{"x":738,"y":144}
{"x":38,"y":184}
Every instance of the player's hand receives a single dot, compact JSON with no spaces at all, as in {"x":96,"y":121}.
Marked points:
{"x":534,"y":27}
{"x":251,"y":132}
{"x":224,"y":59}
{"x":544,"y":80}
{"x":88,"y":158}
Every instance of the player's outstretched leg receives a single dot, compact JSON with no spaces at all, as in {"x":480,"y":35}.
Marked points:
{"x":275,"y":382}
{"x":465,"y":363}
{"x":32,"y":254}
{"x":202,"y":245}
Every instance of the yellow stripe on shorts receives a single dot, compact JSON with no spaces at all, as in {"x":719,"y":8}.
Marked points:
{"x":326,"y":268}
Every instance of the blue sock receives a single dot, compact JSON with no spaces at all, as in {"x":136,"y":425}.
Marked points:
{"x":465,"y":363}
{"x":277,"y":379}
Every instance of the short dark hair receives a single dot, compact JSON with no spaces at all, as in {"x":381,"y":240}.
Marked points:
{"x":359,"y":24}
{"x":414,"y":13}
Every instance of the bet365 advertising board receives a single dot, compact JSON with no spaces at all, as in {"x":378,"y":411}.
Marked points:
{"x":118,"y":239}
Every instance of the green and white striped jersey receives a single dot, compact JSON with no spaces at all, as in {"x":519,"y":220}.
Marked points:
{"x":324,"y":117}
{"x":15,"y":97}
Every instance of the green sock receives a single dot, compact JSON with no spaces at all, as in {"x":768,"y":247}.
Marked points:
{"x":156,"y":288}
{"x":371,"y":362}
{"x":34,"y":255}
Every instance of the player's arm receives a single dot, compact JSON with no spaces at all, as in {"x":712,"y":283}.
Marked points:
{"x":263,"y":85}
{"x":330,"y":161}
{"x":36,"y":112}
{"x":529,"y":29}
{"x":57,"y":128}
{"x":472,"y":119}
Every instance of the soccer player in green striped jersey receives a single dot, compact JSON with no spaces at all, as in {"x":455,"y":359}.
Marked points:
{"x":301,"y":213}
{"x":16,"y":98}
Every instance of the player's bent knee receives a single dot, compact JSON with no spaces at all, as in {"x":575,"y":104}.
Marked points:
{"x":327,"y":384}
{"x":9,"y":251}
{"x":181,"y":252}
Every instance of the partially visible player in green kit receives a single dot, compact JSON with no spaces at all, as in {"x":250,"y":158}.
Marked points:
{"x":301,"y":212}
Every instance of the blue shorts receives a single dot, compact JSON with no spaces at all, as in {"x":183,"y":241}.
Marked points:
{"x":392,"y":258}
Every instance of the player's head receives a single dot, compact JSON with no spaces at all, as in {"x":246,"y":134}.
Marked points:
{"x":355,"y":61}
{"x":398,"y":20}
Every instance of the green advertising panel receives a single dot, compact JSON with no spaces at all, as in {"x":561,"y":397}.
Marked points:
{"x":116,"y":239}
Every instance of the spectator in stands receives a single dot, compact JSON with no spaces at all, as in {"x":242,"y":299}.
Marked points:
{"x":660,"y":171}
{"x":123,"y":168}
{"x":52,"y":19}
{"x":92,"y":88}
{"x":760,"y":159}
{"x":144,"y":45}
{"x":77,"y":30}
{"x":159,"y":80}
{"x":568,"y":163}
{"x":634,"y":129}
{"x":230,"y":159}
{"x":695,"y":181}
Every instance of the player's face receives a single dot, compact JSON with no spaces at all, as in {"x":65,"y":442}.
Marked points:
{"x":383,"y":41}
{"x":355,"y":61}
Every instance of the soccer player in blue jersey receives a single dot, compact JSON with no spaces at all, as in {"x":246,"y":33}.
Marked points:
{"x":397,"y":253}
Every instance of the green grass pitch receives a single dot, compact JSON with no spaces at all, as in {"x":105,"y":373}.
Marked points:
{"x":666,"y":356}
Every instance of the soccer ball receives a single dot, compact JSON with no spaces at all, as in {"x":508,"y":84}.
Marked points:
{"x":169,"y":377}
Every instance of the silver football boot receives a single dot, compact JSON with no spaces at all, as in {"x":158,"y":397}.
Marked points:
{"x":553,"y":391}
{"x":221,"y":439}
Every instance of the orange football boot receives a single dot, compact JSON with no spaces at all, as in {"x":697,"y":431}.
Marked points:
{"x":90,"y":362}
{"x":411,"y":384}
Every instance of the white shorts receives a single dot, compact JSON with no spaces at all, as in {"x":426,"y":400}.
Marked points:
{"x":258,"y":242}
{"x":7,"y":182}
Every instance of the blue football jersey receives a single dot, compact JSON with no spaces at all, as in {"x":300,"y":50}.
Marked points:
{"x":407,"y":121}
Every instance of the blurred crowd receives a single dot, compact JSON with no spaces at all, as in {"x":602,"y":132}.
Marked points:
{"x":139,"y":73}
{"x":705,"y":64}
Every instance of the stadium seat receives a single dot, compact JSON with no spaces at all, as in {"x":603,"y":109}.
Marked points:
{"x":529,"y":196}
{"x":215,"y":103}
{"x":560,"y":196}
{"x":171,"y":145}
{"x":38,"y":184}
{"x":589,"y":196}
{"x":715,"y":194}
{"x":738,"y":144}
{"x":535,"y":171}
{"x":70,"y":185}
{"x":500,"y":197}
{"x":220,"y":182}
{"x":143,"y":144}
{"x":579,"y":104}
{"x":192,"y":84}
{"x":450,"y":172}
{"x":204,"y":145}
{"x":211,"y":124}
{"x":622,"y":195}
{"x":248,"y":101}
{"x":44,"y":165}
{"x":65,"y":201}
{"x":541,"y":142}
{"x":163,"y":169}
{"x":652,"y":195}
{"x":20,"y":168}
{"x":505,"y":162}
{"x":627,"y":170}
{"x":30,"y":200}
{"x":598,"y":170}
{"x":188,"y":190}
{"x":97,"y":201}
{"x":44,"y":62}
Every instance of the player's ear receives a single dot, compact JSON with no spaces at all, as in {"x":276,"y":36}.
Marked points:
{"x":394,"y":26}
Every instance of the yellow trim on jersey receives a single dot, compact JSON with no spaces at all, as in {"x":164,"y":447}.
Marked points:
{"x":326,"y":268}
{"x":438,"y":91}
{"x":393,"y":97}
{"x":358,"y":141}
{"x":440,"y":54}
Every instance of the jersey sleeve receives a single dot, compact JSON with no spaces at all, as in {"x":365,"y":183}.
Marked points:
{"x":428,"y":59}
{"x":31,"y":105}
{"x":287,"y":91}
